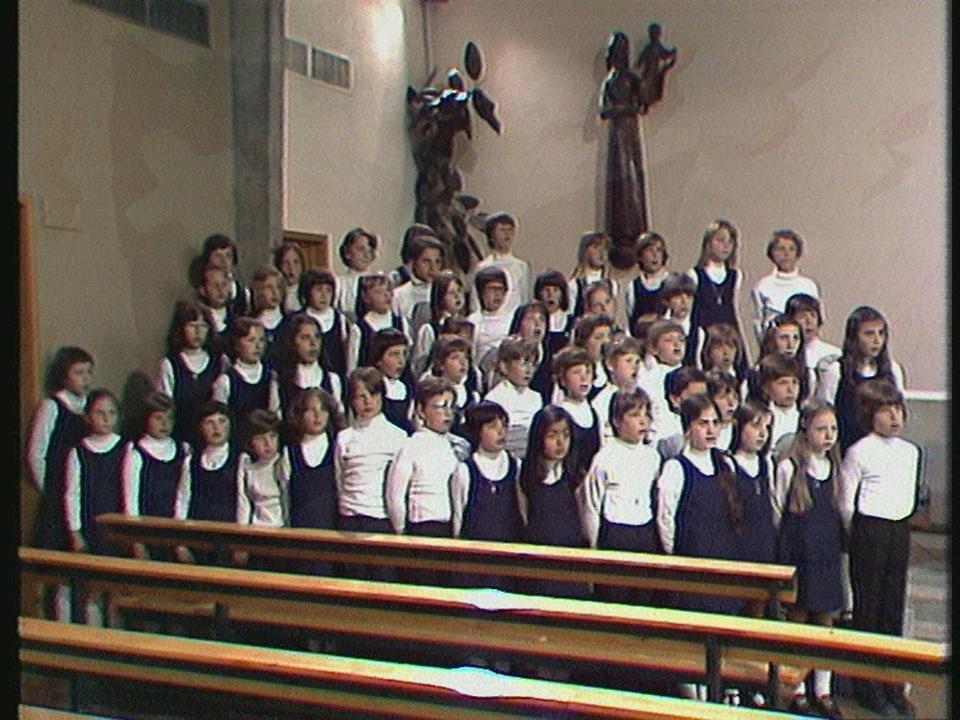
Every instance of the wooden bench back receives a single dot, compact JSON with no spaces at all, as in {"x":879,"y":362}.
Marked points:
{"x":608,"y":567}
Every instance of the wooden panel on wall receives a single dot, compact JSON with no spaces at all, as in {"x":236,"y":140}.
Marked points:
{"x":29,"y":362}
{"x":315,"y":246}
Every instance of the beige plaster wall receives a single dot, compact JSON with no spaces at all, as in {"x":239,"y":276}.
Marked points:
{"x":347,"y":157}
{"x":125,"y":151}
{"x":828,"y":117}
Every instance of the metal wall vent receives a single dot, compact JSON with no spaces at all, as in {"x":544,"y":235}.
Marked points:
{"x":332,"y":69}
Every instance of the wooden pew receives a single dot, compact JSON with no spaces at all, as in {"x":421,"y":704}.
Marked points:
{"x":577,"y":632}
{"x":750,"y":581}
{"x":306,"y":682}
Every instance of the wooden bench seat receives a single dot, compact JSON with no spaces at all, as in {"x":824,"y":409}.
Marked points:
{"x":504,"y":624}
{"x":301,"y":682}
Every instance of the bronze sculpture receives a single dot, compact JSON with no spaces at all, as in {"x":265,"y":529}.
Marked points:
{"x":436,"y":117}
{"x":625,"y":95}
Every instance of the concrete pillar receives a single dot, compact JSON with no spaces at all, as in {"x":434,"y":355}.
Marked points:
{"x":256,"y":36}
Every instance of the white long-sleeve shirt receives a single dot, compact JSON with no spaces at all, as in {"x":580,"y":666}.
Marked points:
{"x":418,"y":485}
{"x":619,"y":486}
{"x":488,"y":330}
{"x":786,"y":421}
{"x":406,"y":297}
{"x":521,"y":405}
{"x":771,"y":293}
{"x":347,"y":286}
{"x":494,"y":468}
{"x":362,"y":457}
{"x":72,"y":496}
{"x":882,"y":478}
{"x":41,"y":431}
{"x":264,"y":498}
{"x":132,"y":466}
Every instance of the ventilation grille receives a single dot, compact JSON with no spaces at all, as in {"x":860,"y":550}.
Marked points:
{"x":187,"y":19}
{"x":317,"y":63}
{"x":331,"y":69}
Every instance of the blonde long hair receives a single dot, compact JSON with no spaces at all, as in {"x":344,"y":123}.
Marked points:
{"x":800,"y":452}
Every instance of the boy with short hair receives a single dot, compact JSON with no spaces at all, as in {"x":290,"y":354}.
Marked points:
{"x":264,"y":498}
{"x":515,"y":361}
{"x":572,"y":370}
{"x":882,"y":488}
{"x":772,"y":291}
{"x":622,"y":359}
{"x":426,"y":260}
{"x":492,"y":321}
{"x":667,"y":346}
{"x":679,"y":384}
{"x":677,"y":296}
{"x":418,"y":485}
{"x":358,"y":250}
{"x":500,"y":229}
{"x":807,"y":310}
{"x":780,"y":389}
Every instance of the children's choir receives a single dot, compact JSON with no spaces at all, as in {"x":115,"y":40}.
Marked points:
{"x":514,"y":408}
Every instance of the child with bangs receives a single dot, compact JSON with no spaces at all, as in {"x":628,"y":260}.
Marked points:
{"x":373,"y":313}
{"x":618,"y":493}
{"x":317,"y":292}
{"x":190,"y":368}
{"x":592,"y":266}
{"x":515,"y":360}
{"x":485,"y":491}
{"x":591,"y":332}
{"x":642,"y":297}
{"x":357,"y":251}
{"x":806,"y":510}
{"x":621,"y":358}
{"x":883,"y":492}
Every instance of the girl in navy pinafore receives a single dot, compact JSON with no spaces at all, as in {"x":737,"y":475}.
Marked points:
{"x":314,"y":420}
{"x":153,"y":469}
{"x":213,"y":485}
{"x":58,"y":426}
{"x":716,"y":301}
{"x":751,"y":445}
{"x":865,"y":357}
{"x":811,"y":529}
{"x":573,"y":373}
{"x":549,"y":481}
{"x":92,"y":487}
{"x":643,"y":295}
{"x":249,"y":383}
{"x":298,"y":363}
{"x":700,"y":512}
{"x":188,"y":371}
{"x":317,"y":291}
{"x":485,"y":491}
{"x":389,"y":353}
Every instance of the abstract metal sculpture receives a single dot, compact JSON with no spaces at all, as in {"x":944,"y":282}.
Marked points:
{"x":436,"y":117}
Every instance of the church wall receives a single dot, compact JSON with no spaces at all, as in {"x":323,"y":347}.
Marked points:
{"x":825,"y":117}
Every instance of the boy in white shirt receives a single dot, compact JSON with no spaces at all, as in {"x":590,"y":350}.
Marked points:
{"x":621,"y":357}
{"x":426,"y":260}
{"x":667,"y":345}
{"x":362,"y":457}
{"x":264,"y":487}
{"x":418,"y":485}
{"x":491,"y":322}
{"x":771,"y":292}
{"x":881,"y":491}
{"x":780,"y":388}
{"x":515,"y":361}
{"x":500,"y":229}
